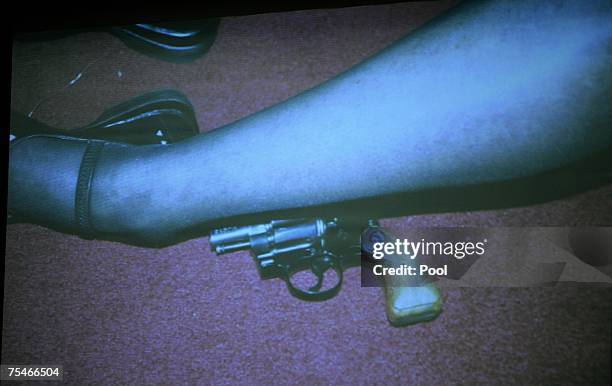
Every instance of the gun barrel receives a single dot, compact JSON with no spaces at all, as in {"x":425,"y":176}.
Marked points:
{"x":229,"y":235}
{"x":234,"y":239}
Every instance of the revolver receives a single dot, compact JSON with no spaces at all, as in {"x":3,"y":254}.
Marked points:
{"x":286,"y":248}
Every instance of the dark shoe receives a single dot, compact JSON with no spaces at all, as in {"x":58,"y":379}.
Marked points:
{"x":180,"y":42}
{"x":159,"y":117}
{"x":174,"y":42}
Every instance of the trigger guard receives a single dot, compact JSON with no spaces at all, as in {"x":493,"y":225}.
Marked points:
{"x":313,"y":294}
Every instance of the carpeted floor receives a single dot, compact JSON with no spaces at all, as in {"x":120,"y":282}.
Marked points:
{"x":112,"y":313}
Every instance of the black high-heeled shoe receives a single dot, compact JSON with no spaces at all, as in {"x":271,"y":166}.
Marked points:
{"x":158,"y":117}
{"x":175,"y":42}
{"x":179,"y":42}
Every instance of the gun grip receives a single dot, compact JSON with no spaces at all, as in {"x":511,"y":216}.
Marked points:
{"x":410,"y":299}
{"x":411,"y":305}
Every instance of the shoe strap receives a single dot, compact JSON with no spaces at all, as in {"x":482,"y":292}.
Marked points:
{"x":83,"y":188}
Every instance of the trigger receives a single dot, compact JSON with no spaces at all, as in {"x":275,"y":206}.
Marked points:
{"x":318,"y":272}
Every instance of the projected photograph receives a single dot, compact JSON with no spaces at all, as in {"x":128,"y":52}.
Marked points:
{"x":393,"y":193}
